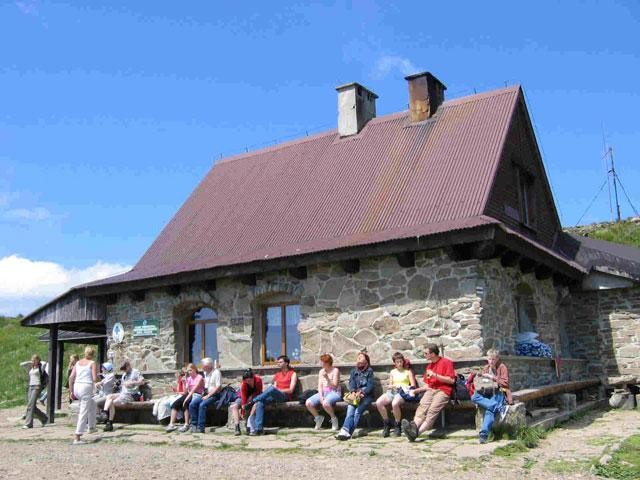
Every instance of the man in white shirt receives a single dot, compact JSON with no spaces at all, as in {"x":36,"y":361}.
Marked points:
{"x":212,"y":386}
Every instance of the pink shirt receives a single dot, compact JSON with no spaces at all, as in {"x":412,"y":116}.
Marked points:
{"x":193,"y":381}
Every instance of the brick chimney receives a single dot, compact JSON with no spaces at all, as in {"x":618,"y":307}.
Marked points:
{"x":426,"y":94}
{"x":356,"y":106}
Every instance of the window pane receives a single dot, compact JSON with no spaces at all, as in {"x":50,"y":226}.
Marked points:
{"x":293,"y":335}
{"x":195,"y":343}
{"x":211,"y":340}
{"x":205,"y":314}
{"x":273,"y":334}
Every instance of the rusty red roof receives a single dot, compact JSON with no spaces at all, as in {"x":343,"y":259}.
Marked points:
{"x":393,"y":180}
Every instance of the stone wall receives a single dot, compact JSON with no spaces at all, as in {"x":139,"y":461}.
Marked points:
{"x":501,"y":287}
{"x":616,"y":347}
{"x":465,"y":307}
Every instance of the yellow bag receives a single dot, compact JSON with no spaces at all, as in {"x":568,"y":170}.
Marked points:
{"x":352,"y":398}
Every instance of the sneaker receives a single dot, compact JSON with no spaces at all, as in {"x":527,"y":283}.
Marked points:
{"x":387,"y":429}
{"x":79,"y":442}
{"x":184,"y":428}
{"x":237,"y":432}
{"x":194,"y":429}
{"x":503,"y":412}
{"x":319,"y":421}
{"x":482,"y":440}
{"x":343,"y":435}
{"x":335,"y":425}
{"x":256,"y":433}
{"x":397,"y":430}
{"x":198,"y":430}
{"x":410,"y":429}
{"x":93,"y":430}
{"x":108,"y":426}
{"x":26,"y":427}
{"x":170,"y":428}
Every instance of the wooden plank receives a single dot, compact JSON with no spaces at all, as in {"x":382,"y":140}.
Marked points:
{"x":528,"y":394}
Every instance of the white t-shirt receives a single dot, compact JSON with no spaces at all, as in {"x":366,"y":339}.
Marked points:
{"x":134,"y":376}
{"x":212,"y":380}
{"x":34,"y":377}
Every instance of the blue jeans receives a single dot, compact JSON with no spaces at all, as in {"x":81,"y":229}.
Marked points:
{"x":354,"y":414}
{"x":270,"y":395}
{"x":491,"y":406}
{"x":198,"y":410}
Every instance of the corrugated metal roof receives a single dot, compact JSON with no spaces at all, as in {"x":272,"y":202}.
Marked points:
{"x":393,"y":180}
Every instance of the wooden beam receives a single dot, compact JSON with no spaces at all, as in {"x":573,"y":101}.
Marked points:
{"x":406,"y":259}
{"x":210,"y":285}
{"x":174,"y":290}
{"x":249,"y":280}
{"x":509,"y":259}
{"x":298,"y":272}
{"x":527,"y":265}
{"x":137,"y":295}
{"x":351,"y":266}
{"x":53,"y":370}
{"x":543,"y":272}
{"x":554,"y":389}
{"x":60,"y":372}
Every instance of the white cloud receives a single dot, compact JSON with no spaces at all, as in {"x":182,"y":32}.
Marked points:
{"x":36,"y":214}
{"x":25,"y":284}
{"x":388,"y":63}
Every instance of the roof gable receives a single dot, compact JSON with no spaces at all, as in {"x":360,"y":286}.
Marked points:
{"x":393,"y":180}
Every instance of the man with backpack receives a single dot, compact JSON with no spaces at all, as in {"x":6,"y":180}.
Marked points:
{"x":439,"y":378}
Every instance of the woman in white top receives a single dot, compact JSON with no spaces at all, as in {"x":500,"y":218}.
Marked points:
{"x":37,"y":380}
{"x":81,"y":382}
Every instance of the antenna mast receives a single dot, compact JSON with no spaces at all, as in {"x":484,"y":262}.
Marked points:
{"x":615,"y":181}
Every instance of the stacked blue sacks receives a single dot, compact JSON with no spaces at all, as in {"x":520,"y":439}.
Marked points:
{"x":528,"y":345}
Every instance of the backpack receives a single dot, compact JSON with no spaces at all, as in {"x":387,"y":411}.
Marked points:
{"x":459,"y":391}
{"x":44,"y":376}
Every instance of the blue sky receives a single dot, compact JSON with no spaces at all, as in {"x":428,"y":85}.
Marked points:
{"x":112,"y":112}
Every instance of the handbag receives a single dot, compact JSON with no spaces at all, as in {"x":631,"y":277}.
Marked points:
{"x":352,"y":398}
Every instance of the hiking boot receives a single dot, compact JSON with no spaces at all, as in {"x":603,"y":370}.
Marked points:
{"x":343,"y":435}
{"x":237,"y":433}
{"x":397,"y":430}
{"x":319,"y":420}
{"x":386,"y":429}
{"x":482,"y":440}
{"x":108,"y":426}
{"x":410,"y":429}
{"x":44,"y":420}
{"x":335,"y":424}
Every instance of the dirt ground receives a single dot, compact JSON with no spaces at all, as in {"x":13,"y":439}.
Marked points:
{"x":147,"y":452}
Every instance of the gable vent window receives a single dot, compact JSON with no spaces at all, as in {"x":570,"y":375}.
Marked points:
{"x":526,"y":199}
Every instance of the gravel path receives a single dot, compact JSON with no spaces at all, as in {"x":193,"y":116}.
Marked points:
{"x":146,"y":452}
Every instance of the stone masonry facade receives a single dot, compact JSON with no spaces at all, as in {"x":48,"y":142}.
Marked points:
{"x":465,"y":307}
{"x":607,"y":324}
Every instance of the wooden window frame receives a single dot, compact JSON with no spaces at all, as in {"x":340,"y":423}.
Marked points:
{"x":202,"y":323}
{"x":526,"y":201}
{"x":283,"y":340}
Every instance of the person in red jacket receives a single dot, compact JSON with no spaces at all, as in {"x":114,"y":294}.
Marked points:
{"x":250,"y":387}
{"x":439,"y":377}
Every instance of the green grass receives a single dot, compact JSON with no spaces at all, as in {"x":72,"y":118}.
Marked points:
{"x":18,"y":344}
{"x":625,"y":464}
{"x":562,"y":466}
{"x":625,"y":232}
{"x":525,"y":439}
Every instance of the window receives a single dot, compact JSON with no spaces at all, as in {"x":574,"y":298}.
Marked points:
{"x":525,"y":197}
{"x":525,"y":309}
{"x":202,"y":335}
{"x":281,"y":335}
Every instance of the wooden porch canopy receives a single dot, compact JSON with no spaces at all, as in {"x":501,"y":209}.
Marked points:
{"x":71,"y":317}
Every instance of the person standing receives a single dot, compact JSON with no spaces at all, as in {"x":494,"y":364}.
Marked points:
{"x":439,"y":377}
{"x":81,"y":382}
{"x":37,"y":382}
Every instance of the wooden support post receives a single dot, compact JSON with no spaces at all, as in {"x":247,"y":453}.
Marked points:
{"x":350,"y":266}
{"x":53,"y":370}
{"x":102,"y":352}
{"x":60,"y":374}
